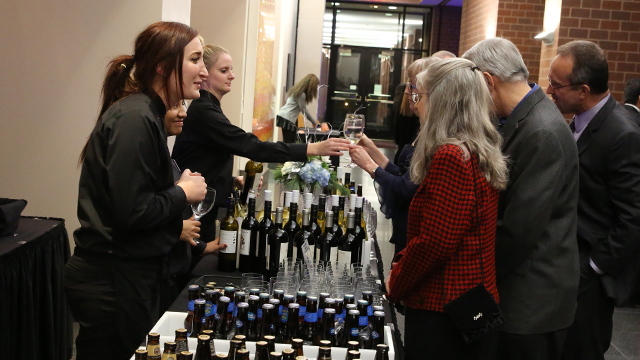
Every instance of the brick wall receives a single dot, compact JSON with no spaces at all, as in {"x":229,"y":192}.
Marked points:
{"x":519,"y":21}
{"x":479,"y":19}
{"x":445,"y":30}
{"x":615,"y":26}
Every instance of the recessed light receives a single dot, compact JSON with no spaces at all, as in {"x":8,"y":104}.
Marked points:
{"x":387,"y":14}
{"x":375,"y":6}
{"x":392,"y":7}
{"x":337,"y":4}
{"x":337,"y":10}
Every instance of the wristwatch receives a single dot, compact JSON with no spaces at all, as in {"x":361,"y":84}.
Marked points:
{"x":373,"y":171}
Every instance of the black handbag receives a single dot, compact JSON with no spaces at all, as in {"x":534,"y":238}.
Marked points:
{"x":10,"y":211}
{"x":475,"y":313}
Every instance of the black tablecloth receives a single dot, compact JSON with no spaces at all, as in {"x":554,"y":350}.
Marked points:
{"x":35,"y":322}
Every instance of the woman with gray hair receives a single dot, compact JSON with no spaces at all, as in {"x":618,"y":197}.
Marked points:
{"x":452,"y":218}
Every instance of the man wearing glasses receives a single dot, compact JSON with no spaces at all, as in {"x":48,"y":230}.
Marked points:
{"x":609,"y":197}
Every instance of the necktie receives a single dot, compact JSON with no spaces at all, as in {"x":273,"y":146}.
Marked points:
{"x":572,"y":125}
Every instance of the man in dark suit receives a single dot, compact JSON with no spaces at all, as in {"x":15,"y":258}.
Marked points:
{"x":537,"y":265}
{"x":632,"y":98}
{"x":609,"y":202}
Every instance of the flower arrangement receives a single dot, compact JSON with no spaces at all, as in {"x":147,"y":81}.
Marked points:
{"x":313,"y":174}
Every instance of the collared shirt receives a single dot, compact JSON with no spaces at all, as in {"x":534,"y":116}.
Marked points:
{"x":533,"y":87}
{"x":633,"y":106}
{"x":583,"y":119}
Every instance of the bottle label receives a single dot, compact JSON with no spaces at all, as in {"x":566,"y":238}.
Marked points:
{"x":239,"y":324}
{"x":363,"y":320}
{"x":355,"y":332}
{"x":245,"y":242}
{"x":318,"y":252}
{"x":216,"y":316}
{"x":340,"y":317}
{"x":153,"y":350}
{"x":229,"y":238}
{"x":208,"y":309}
{"x":191,"y":305}
{"x":251,"y":316}
{"x":333,"y":255}
{"x":259,"y":313}
{"x":311,"y":317}
{"x":303,"y":310}
{"x":283,"y":253}
{"x":284,"y":316}
{"x":267,"y":255}
{"x":280,"y":310}
{"x":231,"y":307}
{"x":320,"y":311}
{"x":332,"y":331}
{"x":344,"y":256}
{"x":214,"y":309}
{"x":370,"y":310}
{"x":374,"y":334}
{"x":168,"y":357}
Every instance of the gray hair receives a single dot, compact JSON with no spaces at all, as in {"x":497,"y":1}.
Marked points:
{"x":444,"y":54}
{"x":499,"y":57}
{"x":458,"y":111}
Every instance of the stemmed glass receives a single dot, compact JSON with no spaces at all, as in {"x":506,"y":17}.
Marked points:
{"x":353,"y":130}
{"x":202,"y":208}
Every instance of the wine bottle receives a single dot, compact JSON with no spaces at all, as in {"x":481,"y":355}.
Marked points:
{"x":251,"y":169}
{"x":278,"y":244}
{"x":305,"y":234}
{"x":292,"y":227}
{"x":347,"y":180}
{"x":337,"y":229}
{"x":339,"y":176}
{"x":263,"y":231}
{"x":228,"y":235}
{"x":295,"y":198}
{"x":346,"y":247}
{"x":287,"y":203}
{"x":307,"y":201}
{"x":359,"y":190}
{"x":322,"y":238}
{"x":315,"y":227}
{"x":322,"y":208}
{"x":329,"y":241}
{"x":352,"y":187}
{"x":249,"y":238}
{"x":359,"y":232}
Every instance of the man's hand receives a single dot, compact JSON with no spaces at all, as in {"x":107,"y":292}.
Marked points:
{"x":213,"y":247}
{"x":193,"y":186}
{"x":190,"y":231}
{"x":330,"y":147}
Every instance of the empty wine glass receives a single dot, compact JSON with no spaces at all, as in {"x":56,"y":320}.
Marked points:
{"x":353,"y":130}
{"x":202,"y":208}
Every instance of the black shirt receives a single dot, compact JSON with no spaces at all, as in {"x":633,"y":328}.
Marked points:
{"x":128,"y":204}
{"x":209,"y":140}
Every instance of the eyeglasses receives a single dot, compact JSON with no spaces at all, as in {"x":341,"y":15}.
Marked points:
{"x":561,"y":86}
{"x":411,"y":86}
{"x":415,"y":97}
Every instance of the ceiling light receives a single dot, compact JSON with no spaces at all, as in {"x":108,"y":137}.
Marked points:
{"x":392,"y":7}
{"x":387,"y":14}
{"x":375,"y":6}
{"x":337,"y":4}
{"x":420,"y":40}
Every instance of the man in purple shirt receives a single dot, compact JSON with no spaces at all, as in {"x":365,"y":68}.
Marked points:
{"x":609,"y":196}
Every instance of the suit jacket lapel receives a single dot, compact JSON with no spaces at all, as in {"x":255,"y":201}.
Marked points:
{"x":521,"y":112}
{"x":588,"y":134}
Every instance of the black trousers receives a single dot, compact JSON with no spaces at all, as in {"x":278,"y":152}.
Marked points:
{"x":589,"y":336}
{"x":432,"y":335}
{"x":116,"y":303}
{"x":545,"y":346}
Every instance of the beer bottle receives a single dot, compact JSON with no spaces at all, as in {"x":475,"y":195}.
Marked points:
{"x":198,"y":318}
{"x":254,"y":291}
{"x":378,"y":308}
{"x":253,"y":330}
{"x":141,"y":354}
{"x":382,"y":352}
{"x":309,"y":334}
{"x":377,"y":331}
{"x":292,"y":329}
{"x":242,"y":354}
{"x":324,"y":353}
{"x":349,"y":299}
{"x":335,"y":228}
{"x":276,"y":318}
{"x":266,"y":225}
{"x":352,"y":325}
{"x":169,"y":352}
{"x":328,"y":326}
{"x":329,"y":240}
{"x":249,"y":238}
{"x":264,"y":299}
{"x":185,"y":355}
{"x":243,"y":340}
{"x":194,"y":294}
{"x":181,"y":341}
{"x":275,"y":356}
{"x":301,"y":358}
{"x":240,"y":296}
{"x":347,"y":250}
{"x":301,"y":299}
{"x":230,"y":292}
{"x":278,"y":244}
{"x":364,"y":331}
{"x":212,"y":344}
{"x":203,"y":351}
{"x":267,"y":328}
{"x":221,"y":318}
{"x":297,"y":345}
{"x":322,"y":208}
{"x":210,"y":308}
{"x":304,"y":234}
{"x":367,"y":295}
{"x":322,"y":297}
{"x":221,"y":357}
{"x":279,"y":294}
{"x":271,"y":342}
{"x":242,"y":324}
{"x":288,"y":354}
{"x":340,"y":317}
{"x":353,"y":355}
{"x":315,"y":227}
{"x":234,"y":346}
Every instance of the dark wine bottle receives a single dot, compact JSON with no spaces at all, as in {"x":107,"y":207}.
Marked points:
{"x":303,"y":235}
{"x":335,"y":228}
{"x":251,"y":169}
{"x":322,"y":208}
{"x":228,"y":235}
{"x":359,"y":232}
{"x":292,"y":227}
{"x":329,"y":241}
{"x":315,"y":227}
{"x":263,"y":233}
{"x":249,"y":238}
{"x":278,"y":244}
{"x":347,"y":250}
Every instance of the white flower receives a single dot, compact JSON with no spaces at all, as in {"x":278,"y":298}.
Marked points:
{"x":286,"y":168}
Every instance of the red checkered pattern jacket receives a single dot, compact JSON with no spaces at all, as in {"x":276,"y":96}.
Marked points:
{"x":442,"y":256}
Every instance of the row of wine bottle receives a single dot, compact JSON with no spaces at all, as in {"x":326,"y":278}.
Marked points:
{"x":265,"y":350}
{"x":265,"y":243}
{"x":311,"y":318}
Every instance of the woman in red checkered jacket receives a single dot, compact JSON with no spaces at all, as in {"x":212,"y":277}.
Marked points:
{"x":461,"y":170}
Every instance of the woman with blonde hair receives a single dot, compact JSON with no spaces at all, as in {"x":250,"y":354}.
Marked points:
{"x":452,"y":218}
{"x":301,"y":94}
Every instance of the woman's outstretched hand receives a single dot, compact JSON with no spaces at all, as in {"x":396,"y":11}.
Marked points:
{"x":329,"y":147}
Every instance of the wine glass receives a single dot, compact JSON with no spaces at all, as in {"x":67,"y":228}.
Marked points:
{"x":203,"y":207}
{"x":353,"y":130}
